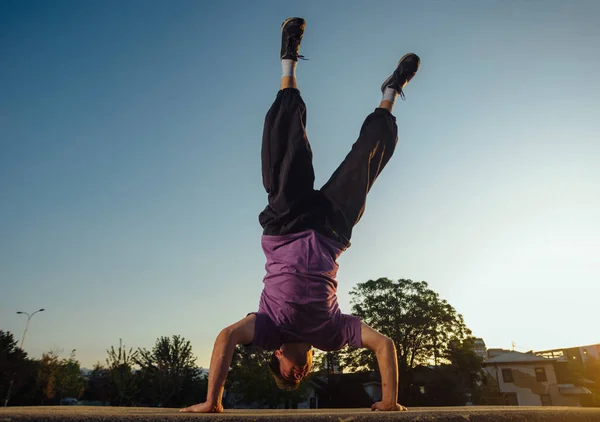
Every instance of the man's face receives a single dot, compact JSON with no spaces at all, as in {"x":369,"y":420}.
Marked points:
{"x":294,"y":365}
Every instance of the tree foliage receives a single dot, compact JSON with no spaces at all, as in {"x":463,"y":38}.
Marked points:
{"x":9,"y":352}
{"x":195,"y":387}
{"x":59,"y":378}
{"x":10,"y":358}
{"x":410,"y":313}
{"x":99,"y":386}
{"x":165,"y":369}
{"x":15,"y":369}
{"x":327,"y":363}
{"x":455,"y":382}
{"x":467,"y":366}
{"x":167,"y":376}
{"x":120,"y":364}
{"x":420,"y":323}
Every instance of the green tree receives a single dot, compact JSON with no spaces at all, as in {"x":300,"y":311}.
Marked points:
{"x":120,"y":364}
{"x":15,"y":369}
{"x":195,"y":387}
{"x":47,"y":379}
{"x":59,"y":378}
{"x":99,"y":386}
{"x":70,"y":381}
{"x":460,"y":380}
{"x":328,"y":364}
{"x":250,"y":382}
{"x":164,"y":370}
{"x":410,"y":313}
{"x":468,"y":366}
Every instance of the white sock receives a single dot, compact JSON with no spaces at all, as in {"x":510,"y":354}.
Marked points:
{"x":288,"y":67}
{"x":389,"y":94}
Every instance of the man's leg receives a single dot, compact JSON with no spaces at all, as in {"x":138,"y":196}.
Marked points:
{"x":287,"y":170}
{"x":349,"y":185}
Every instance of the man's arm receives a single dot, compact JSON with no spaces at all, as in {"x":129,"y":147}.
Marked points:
{"x":242,"y":332}
{"x":385,"y":350}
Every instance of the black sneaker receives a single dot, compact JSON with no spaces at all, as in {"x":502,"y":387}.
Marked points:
{"x":292,"y":31}
{"x":406,"y":70}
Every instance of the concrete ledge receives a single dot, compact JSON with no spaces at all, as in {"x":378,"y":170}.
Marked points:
{"x":450,"y":414}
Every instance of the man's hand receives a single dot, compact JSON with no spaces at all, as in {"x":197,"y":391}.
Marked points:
{"x":205,"y":407}
{"x":242,"y":332}
{"x":385,"y":350}
{"x":387,"y":407}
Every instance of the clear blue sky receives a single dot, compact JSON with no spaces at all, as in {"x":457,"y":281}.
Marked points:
{"x":130,"y":162}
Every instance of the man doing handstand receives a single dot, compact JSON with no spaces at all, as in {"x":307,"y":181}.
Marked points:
{"x":305,"y":231}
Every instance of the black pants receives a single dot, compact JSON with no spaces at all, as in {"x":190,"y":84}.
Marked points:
{"x":288,"y":174}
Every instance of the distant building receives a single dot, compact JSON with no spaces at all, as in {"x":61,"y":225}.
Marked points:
{"x":492,"y":353}
{"x":580,"y":354}
{"x":480,"y":348}
{"x":526,"y":379}
{"x":478,"y":343}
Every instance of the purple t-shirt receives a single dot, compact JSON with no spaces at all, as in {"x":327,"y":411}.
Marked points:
{"x":298,"y":302}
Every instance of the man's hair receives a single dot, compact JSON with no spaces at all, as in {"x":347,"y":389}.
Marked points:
{"x":282,"y":383}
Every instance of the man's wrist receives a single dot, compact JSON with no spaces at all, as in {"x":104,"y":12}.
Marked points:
{"x":388,"y":402}
{"x":393,"y":405}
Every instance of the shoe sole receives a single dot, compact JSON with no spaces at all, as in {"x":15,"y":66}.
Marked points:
{"x":285,"y":22}
{"x":392,"y":75}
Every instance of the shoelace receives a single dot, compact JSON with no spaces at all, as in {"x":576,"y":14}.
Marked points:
{"x":290,"y":43}
{"x":402,"y":95}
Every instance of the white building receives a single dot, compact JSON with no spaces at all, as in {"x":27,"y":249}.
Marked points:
{"x":525,"y":379}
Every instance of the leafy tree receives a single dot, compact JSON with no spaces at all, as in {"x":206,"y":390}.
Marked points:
{"x":346,"y":390}
{"x":15,"y":369}
{"x":48,"y":374}
{"x":195,"y":387}
{"x":99,"y":386}
{"x":70,"y":382}
{"x":9,"y":355}
{"x":443,"y":388}
{"x":420,"y":323}
{"x":410,"y":313}
{"x":327,"y":363}
{"x":59,"y":378}
{"x":468,"y":368}
{"x":250,"y":381}
{"x":164,"y":370}
{"x":457,"y":382}
{"x":120,"y":364}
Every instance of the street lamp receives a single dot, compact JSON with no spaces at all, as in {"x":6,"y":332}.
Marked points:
{"x":21,"y":347}
{"x":27,"y":325}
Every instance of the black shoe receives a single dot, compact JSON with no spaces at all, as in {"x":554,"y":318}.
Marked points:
{"x":406,"y":70}
{"x":292,"y":31}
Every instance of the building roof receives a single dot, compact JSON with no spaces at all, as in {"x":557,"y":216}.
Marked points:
{"x":517,"y":357}
{"x":573,"y":390}
{"x":560,"y":349}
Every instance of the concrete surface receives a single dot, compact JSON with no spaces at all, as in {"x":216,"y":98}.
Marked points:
{"x":450,"y":414}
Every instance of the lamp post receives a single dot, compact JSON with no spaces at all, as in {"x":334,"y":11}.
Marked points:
{"x":27,"y":325}
{"x":29,"y":316}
